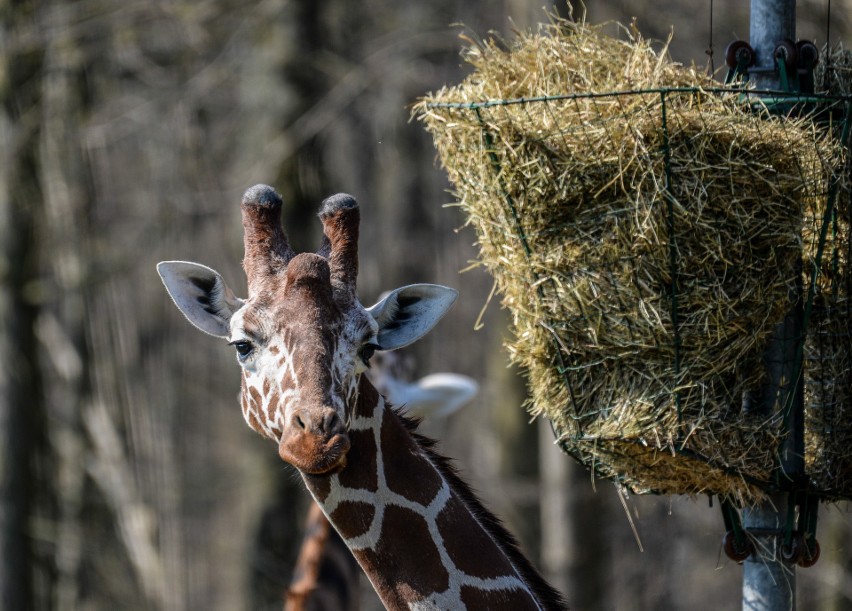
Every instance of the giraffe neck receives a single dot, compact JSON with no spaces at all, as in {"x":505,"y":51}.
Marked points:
{"x":418,"y":532}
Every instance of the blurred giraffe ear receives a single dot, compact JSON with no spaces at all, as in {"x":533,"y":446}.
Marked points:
{"x":410,"y":312}
{"x":201,"y":294}
{"x":436,"y":395}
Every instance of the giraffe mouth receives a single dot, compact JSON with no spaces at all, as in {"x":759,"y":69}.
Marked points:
{"x":333,"y":459}
{"x":316,"y":455}
{"x":337,"y":467}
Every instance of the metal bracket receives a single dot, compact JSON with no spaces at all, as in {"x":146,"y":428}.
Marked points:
{"x":736,"y":542}
{"x":740,"y":57}
{"x":796,"y":540}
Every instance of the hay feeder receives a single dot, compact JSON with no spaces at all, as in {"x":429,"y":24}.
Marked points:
{"x":650,"y":232}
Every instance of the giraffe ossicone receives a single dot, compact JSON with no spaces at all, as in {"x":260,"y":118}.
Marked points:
{"x":303,"y":341}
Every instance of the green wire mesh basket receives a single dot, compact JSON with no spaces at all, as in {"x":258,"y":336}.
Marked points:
{"x":648,"y":236}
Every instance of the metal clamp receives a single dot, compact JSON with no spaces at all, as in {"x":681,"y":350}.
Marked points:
{"x":736,"y":542}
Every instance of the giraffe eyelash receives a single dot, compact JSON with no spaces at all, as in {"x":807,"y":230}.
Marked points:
{"x":244,"y":348}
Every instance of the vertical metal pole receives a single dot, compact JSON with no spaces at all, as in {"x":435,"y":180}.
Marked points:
{"x":771,"y":21}
{"x":769,"y":583}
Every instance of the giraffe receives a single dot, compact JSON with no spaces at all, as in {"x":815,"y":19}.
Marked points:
{"x":326,"y":575}
{"x":303,"y":341}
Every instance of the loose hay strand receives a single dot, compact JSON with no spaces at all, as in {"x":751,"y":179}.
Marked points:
{"x":645,"y":232}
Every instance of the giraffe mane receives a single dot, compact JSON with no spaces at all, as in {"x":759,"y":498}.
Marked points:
{"x":547,"y":595}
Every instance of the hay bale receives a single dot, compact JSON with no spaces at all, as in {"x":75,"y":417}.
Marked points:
{"x":646,"y":243}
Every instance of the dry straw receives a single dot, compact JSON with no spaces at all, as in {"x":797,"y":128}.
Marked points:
{"x":646,"y":234}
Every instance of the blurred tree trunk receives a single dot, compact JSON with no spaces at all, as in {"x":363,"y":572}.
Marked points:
{"x":556,"y":518}
{"x":24,"y":576}
{"x":574,"y":550}
{"x":60,"y":325}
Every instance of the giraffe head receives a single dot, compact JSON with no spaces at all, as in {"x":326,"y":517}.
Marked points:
{"x":301,"y":336}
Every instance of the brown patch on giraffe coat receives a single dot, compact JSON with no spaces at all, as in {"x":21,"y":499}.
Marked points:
{"x":253,"y":412}
{"x":272,"y":406}
{"x":402,"y":457}
{"x":361,"y":472}
{"x":318,"y":485}
{"x":517,"y":599}
{"x":468,"y":544}
{"x":251,"y":409}
{"x":352,"y":518}
{"x":254,"y":408}
{"x":256,"y":399}
{"x":404,"y":573}
{"x":368,"y":397}
{"x":287,"y":380}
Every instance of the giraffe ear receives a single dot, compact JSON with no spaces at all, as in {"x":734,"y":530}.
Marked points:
{"x":436,"y":395}
{"x":201,"y":294}
{"x":408,"y":313}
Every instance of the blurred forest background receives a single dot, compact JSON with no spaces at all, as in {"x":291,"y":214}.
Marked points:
{"x":129,"y":131}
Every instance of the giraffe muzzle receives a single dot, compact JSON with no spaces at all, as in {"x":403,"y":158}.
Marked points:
{"x":315,"y":443}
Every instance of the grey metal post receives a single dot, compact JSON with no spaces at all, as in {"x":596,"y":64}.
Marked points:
{"x":769,"y":583}
{"x":770,"y":21}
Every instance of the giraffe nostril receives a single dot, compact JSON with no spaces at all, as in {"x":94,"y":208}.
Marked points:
{"x":331,"y":422}
{"x":326,"y":422}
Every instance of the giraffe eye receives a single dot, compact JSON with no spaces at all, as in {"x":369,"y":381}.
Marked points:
{"x":367,"y":351}
{"x":244,"y":349}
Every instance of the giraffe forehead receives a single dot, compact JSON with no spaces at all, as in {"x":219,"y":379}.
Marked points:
{"x":309,"y":327}
{"x":281,"y":316}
